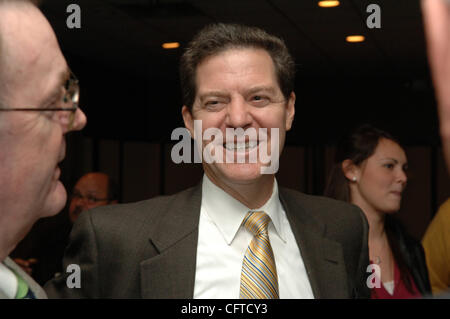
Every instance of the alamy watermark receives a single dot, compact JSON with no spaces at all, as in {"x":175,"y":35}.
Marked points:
{"x":74,"y":279}
{"x":374,"y":19}
{"x":73,"y":21}
{"x":374,"y":279}
{"x":239,"y":146}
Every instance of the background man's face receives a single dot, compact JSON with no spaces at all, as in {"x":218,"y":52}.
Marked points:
{"x":230,"y":89}
{"x":32,"y":143}
{"x":89,"y":187}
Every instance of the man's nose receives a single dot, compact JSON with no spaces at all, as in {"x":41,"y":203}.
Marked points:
{"x":79,"y":121}
{"x":238,"y":113}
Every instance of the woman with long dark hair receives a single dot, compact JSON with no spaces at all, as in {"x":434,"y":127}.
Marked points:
{"x":370,"y":172}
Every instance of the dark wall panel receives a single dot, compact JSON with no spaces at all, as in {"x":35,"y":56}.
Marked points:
{"x":109,"y":155}
{"x":179,"y":176}
{"x":141,"y":171}
{"x":291,"y":173}
{"x":415,"y":212}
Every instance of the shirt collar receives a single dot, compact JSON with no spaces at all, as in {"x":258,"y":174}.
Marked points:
{"x":227,"y":213}
{"x":8,"y":281}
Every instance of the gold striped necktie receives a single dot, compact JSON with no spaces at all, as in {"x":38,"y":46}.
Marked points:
{"x":259,"y":272}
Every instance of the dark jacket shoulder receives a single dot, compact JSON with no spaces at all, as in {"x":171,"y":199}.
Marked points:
{"x":334,"y":214}
{"x":147,"y":212}
{"x":113,"y":242}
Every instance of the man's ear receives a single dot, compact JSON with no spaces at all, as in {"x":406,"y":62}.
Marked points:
{"x":187,"y":119}
{"x":290,"y":111}
{"x":351,"y":171}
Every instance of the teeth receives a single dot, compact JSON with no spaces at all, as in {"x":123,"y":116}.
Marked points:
{"x":241,"y":146}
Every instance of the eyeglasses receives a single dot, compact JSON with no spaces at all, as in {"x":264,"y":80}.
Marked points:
{"x":91,"y":200}
{"x":71,"y":95}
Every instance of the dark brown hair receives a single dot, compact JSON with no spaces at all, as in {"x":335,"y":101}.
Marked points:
{"x":216,"y":38}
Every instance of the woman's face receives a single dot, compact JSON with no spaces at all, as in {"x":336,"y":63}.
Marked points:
{"x":381,"y":178}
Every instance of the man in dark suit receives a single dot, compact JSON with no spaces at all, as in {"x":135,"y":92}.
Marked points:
{"x":236,"y":234}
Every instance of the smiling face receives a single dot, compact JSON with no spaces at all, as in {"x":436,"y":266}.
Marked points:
{"x":32,"y":143}
{"x":380,"y":179}
{"x":237,"y":89}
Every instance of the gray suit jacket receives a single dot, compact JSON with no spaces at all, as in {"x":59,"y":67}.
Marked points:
{"x":148,"y":249}
{"x":38,"y":292}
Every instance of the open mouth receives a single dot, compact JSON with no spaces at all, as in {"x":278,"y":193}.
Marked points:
{"x":241,"y":146}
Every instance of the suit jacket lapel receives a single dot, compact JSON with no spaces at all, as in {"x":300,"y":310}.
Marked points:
{"x":171,"y":273}
{"x":175,"y":238}
{"x":37,"y":290}
{"x":323,"y":257}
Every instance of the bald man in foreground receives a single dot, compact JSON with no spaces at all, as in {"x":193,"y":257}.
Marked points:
{"x":38,"y":106}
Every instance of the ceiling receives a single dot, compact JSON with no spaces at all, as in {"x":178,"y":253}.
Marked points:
{"x":130,"y":86}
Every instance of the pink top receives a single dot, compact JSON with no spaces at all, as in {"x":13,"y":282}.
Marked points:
{"x":400,"y":290}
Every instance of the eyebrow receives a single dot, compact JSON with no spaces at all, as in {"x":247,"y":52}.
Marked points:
{"x":212,"y":93}
{"x":268,"y":89}
{"x":393,"y":159}
{"x":390,"y":158}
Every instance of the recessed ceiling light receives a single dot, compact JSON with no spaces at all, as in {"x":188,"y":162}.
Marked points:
{"x":171,"y":45}
{"x":355,"y":38}
{"x":328,"y":4}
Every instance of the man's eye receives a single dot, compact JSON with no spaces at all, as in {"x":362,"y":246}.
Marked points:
{"x":57,"y":98}
{"x":53,"y":103}
{"x":214,"y":104}
{"x":260,"y":100}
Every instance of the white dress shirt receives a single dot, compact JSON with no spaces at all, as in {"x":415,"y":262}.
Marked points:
{"x":8,"y":281}
{"x":222,"y":243}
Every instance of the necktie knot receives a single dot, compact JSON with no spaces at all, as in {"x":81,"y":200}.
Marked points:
{"x":256,"y":222}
